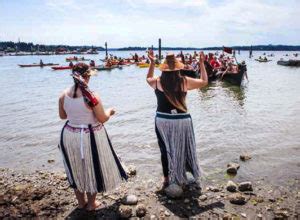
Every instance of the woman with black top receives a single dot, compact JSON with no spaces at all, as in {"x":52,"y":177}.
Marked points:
{"x":173,"y":124}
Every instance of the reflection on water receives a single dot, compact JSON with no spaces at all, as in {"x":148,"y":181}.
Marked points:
{"x":237,"y":92}
{"x":261,"y":118}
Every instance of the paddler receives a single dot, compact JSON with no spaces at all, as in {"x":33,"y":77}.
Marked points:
{"x":71,"y":64}
{"x":92,"y":63}
{"x":41,"y":62}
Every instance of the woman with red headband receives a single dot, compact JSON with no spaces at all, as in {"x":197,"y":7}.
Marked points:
{"x":90,"y":161}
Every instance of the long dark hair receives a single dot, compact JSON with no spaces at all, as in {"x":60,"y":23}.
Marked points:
{"x":80,"y":68}
{"x":173,"y":83}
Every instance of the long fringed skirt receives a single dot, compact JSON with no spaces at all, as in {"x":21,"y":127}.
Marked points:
{"x":90,"y":161}
{"x":177,"y":144}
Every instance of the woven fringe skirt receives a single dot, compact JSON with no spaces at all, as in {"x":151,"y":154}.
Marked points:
{"x":90,"y":162}
{"x":176,"y":140}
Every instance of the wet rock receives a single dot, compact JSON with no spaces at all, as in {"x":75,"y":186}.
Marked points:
{"x":245,"y":186}
{"x":125,"y":211}
{"x":237,"y":199}
{"x":141,"y":210}
{"x":174,"y":191}
{"x":131,"y":170}
{"x":130,"y":200}
{"x":281,"y":214}
{"x":232,"y":168}
{"x":167,"y":213}
{"x":231,"y":186}
{"x":244,"y":157}
{"x":152,"y":217}
{"x":213,"y":189}
{"x":271,"y":199}
{"x":227,"y":216}
{"x":203,"y":198}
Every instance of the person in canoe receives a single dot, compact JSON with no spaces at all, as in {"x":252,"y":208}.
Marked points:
{"x":215,"y":63}
{"x":173,"y":123}
{"x":89,"y":159}
{"x":231,"y":69}
{"x":41,"y":62}
{"x":108,"y":63}
{"x":71,"y":64}
{"x":92,"y":63}
{"x":136,"y":58}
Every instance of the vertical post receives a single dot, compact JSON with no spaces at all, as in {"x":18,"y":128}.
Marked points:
{"x":106,"y":54}
{"x":159,"y":49}
{"x":151,"y":47}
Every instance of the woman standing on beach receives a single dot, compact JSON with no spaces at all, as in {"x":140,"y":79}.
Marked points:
{"x":90,"y":162}
{"x":173,"y":125}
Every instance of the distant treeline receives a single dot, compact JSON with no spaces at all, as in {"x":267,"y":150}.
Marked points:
{"x":10,"y":46}
{"x":256,"y":47}
{"x":260,"y":48}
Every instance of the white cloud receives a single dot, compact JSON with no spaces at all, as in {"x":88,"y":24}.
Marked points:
{"x":197,"y":23}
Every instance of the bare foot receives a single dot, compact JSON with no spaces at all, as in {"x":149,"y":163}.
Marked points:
{"x":82,"y":206}
{"x":97,"y":205}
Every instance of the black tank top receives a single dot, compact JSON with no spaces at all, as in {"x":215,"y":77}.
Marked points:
{"x":163,"y":104}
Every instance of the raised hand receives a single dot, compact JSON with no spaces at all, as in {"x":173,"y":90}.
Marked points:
{"x":111,"y":111}
{"x":202,"y":57}
{"x":151,"y":56}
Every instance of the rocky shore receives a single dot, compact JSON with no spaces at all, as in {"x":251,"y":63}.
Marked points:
{"x":46,"y":195}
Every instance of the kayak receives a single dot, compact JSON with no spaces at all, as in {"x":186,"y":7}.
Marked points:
{"x":102,"y":67}
{"x":38,"y":65}
{"x":145,"y":65}
{"x":78,"y":59}
{"x":61,"y":67}
{"x":262,"y":61}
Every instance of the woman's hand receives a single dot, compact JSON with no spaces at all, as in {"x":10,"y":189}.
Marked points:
{"x":202,"y":57}
{"x":151,"y":56}
{"x":111,"y":111}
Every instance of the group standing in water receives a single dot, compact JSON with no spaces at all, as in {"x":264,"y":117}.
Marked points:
{"x":90,"y":161}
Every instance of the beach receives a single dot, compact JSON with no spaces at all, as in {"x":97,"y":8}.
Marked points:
{"x":259,"y":118}
{"x":47,"y":195}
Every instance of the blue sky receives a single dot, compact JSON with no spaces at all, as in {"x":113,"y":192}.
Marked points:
{"x":190,"y":23}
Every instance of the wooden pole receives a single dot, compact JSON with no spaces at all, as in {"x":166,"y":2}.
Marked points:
{"x":159,"y":49}
{"x":106,"y":54}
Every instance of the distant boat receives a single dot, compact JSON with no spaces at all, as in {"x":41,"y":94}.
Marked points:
{"x":61,"y":67}
{"x":263,"y":60}
{"x":289,"y":63}
{"x":102,"y":67}
{"x":38,"y":65}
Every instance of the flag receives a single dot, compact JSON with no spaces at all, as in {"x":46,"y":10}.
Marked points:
{"x":227,"y":49}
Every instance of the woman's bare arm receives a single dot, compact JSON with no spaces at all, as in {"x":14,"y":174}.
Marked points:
{"x":151,"y":80}
{"x":61,"y":110}
{"x":101,"y":114}
{"x":203,"y":81}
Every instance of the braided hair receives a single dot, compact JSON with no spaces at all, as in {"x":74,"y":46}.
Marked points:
{"x":81,"y":69}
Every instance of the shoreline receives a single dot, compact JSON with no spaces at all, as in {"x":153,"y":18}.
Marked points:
{"x":44,"y":194}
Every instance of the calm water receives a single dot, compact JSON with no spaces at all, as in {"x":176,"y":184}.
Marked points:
{"x":261,"y":118}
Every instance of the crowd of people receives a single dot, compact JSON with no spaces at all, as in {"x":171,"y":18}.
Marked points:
{"x":216,"y":65}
